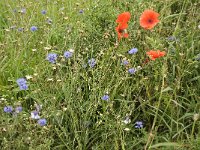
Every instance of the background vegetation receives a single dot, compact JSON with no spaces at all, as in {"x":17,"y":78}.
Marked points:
{"x":164,"y":94}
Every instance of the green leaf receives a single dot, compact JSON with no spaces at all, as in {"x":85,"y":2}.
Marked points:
{"x":167,"y":89}
{"x":165,"y":144}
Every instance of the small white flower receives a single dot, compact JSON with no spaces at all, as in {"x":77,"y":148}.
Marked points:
{"x":3,"y":99}
{"x":50,"y":79}
{"x":66,"y":18}
{"x":139,"y":67}
{"x":28,"y":77}
{"x":196,"y":117}
{"x":127,"y":120}
{"x":35,"y":74}
{"x":64,"y":109}
{"x":71,"y":50}
{"x":127,"y":129}
{"x":47,"y":48}
{"x":34,"y":50}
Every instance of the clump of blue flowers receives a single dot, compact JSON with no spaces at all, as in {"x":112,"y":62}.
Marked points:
{"x":18,"y":109}
{"x":8,"y":109}
{"x":35,"y":115}
{"x":125,"y":62}
{"x":51,"y":57}
{"x":133,"y":51}
{"x":68,"y":54}
{"x":43,"y":12}
{"x":22,"y":83}
{"x":92,"y":62}
{"x":139,"y":124}
{"x":42,"y":122}
{"x":33,"y":28}
{"x":105,"y":97}
{"x":132,"y":70}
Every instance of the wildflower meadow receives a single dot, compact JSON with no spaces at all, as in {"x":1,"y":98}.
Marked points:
{"x":100,"y":75}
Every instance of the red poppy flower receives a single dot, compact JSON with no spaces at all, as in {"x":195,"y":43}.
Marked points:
{"x":123,"y":17}
{"x":121,"y":31}
{"x":149,"y":19}
{"x":155,"y":54}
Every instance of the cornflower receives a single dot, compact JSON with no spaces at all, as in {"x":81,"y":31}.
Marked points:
{"x":51,"y":57}
{"x":8,"y":109}
{"x":105,"y":97}
{"x":139,"y":124}
{"x":22,"y":83}
{"x":42,"y":122}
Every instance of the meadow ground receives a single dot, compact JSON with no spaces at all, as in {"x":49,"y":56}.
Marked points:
{"x":67,"y":82}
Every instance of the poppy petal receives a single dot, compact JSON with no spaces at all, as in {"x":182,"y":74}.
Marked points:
{"x":149,"y":19}
{"x":123,"y":17}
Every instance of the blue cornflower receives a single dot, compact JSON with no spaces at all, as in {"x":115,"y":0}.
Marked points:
{"x":125,"y":62}
{"x":8,"y":109}
{"x":68,"y":54}
{"x":33,"y":28}
{"x":42,"y":122}
{"x":23,"y":87}
{"x":133,"y":51}
{"x":35,"y":115}
{"x":105,"y":97}
{"x":22,"y":83}
{"x":139,"y":124}
{"x":43,"y":12}
{"x":51,"y":57}
{"x":92,"y":62}
{"x":132,"y":70}
{"x":80,"y":11}
{"x":18,"y":109}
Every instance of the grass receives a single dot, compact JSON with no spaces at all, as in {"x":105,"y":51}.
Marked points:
{"x":164,"y":94}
